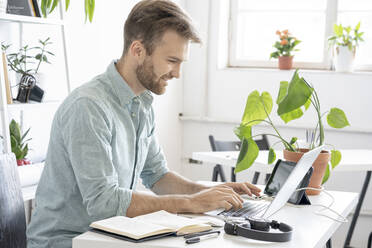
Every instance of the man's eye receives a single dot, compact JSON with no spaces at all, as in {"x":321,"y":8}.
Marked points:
{"x":172,"y":61}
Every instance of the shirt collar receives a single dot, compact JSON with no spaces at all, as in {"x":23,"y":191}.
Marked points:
{"x":122,"y":89}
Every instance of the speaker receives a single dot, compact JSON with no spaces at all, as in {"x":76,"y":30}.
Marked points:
{"x":36,"y":94}
{"x":259,"y":229}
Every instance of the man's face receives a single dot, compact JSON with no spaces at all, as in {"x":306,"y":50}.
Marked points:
{"x":164,"y":63}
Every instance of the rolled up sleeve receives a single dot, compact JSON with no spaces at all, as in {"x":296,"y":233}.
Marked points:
{"x":87,"y":136}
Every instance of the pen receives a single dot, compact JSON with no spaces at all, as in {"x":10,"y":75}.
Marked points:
{"x":193,"y":235}
{"x":198,"y":239}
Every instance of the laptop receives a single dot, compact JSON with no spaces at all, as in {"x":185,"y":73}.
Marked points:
{"x":265,"y":209}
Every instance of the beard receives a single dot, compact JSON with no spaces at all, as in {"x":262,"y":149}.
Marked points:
{"x":148,"y":79}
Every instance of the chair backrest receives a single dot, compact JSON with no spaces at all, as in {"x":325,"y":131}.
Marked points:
{"x":220,"y":146}
{"x":12,"y":212}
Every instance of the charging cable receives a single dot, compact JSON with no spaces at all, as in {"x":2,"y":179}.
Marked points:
{"x":340,"y":218}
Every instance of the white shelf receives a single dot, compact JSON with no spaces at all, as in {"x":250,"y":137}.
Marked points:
{"x":30,"y":19}
{"x":31,"y":105}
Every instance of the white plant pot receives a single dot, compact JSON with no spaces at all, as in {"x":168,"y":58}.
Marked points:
{"x":344,"y":59}
{"x":3,"y":4}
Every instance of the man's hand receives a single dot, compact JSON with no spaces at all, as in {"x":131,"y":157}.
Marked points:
{"x":242,"y":188}
{"x":214,"y":198}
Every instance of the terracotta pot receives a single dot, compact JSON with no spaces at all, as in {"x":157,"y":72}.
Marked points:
{"x":319,"y":165}
{"x":285,"y":62}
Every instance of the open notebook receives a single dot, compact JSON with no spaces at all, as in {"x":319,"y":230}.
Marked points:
{"x":149,"y":226}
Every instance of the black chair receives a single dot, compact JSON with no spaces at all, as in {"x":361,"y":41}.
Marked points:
{"x":12,"y":212}
{"x":220,"y":146}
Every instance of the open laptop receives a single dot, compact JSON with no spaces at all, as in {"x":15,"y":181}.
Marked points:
{"x":265,"y":209}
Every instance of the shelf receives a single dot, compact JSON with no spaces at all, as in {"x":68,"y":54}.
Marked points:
{"x":30,"y":19}
{"x":31,"y":105}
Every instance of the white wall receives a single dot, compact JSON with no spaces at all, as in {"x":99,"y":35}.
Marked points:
{"x":214,"y":100}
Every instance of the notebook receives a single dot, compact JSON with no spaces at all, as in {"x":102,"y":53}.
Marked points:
{"x":149,"y":226}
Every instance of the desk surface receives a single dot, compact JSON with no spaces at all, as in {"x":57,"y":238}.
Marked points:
{"x":352,"y":160}
{"x":310,"y":230}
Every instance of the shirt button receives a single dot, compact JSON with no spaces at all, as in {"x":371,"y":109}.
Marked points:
{"x":133,"y":114}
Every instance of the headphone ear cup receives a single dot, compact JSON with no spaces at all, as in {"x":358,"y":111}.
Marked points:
{"x":230,"y":228}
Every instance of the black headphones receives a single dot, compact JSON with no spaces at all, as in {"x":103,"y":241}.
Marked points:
{"x":259,"y":229}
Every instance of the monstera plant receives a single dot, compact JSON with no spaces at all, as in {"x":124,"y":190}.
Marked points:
{"x":293,"y":99}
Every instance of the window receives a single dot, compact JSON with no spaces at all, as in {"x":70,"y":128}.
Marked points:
{"x":254,"y":23}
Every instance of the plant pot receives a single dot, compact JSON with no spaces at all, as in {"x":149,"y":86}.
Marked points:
{"x":344,"y":59}
{"x":285,"y":62}
{"x":319,"y":165}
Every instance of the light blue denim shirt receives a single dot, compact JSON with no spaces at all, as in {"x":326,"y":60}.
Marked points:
{"x":102,"y":140}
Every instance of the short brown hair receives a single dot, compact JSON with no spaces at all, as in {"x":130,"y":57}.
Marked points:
{"x":149,"y":19}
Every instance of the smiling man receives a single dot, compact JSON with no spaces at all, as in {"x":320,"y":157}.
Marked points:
{"x":103,"y":139}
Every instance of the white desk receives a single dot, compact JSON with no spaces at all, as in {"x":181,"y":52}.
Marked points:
{"x":310,"y":230}
{"x":352,"y":160}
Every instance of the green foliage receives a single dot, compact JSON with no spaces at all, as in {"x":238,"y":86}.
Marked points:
{"x":18,"y":143}
{"x":346,"y":36}
{"x":285,"y":45}
{"x":47,"y":7}
{"x":294,"y":98}
{"x":20,"y":61}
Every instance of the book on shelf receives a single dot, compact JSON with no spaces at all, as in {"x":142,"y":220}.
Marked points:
{"x":6,"y":79}
{"x":148,"y":226}
{"x":23,"y":7}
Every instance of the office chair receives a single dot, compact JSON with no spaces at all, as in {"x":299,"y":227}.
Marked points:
{"x":12,"y":212}
{"x":220,"y":146}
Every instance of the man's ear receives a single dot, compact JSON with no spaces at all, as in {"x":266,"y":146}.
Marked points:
{"x":138,"y":51}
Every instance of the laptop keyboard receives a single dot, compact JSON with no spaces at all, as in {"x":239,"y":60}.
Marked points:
{"x":250,"y":208}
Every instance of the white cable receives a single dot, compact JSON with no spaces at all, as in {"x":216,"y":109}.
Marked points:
{"x":341,"y":219}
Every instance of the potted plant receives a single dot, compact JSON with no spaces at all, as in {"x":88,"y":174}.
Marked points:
{"x":284,"y":47}
{"x":20,"y":63}
{"x":47,"y":7}
{"x":18,"y":143}
{"x":344,"y":43}
{"x":294,"y":98}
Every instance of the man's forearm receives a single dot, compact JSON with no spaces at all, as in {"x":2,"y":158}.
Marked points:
{"x":172,"y":183}
{"x":144,"y":203}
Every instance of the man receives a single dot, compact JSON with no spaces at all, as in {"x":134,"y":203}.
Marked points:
{"x":103,"y":140}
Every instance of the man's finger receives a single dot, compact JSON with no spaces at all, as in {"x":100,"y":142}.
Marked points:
{"x":252,"y":187}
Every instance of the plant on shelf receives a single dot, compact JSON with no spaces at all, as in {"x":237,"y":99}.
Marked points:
{"x":344,"y":43}
{"x":18,"y":143}
{"x":26,"y":63}
{"x":47,"y":7}
{"x":293,"y":99}
{"x":26,"y":56}
{"x":284,"y":48}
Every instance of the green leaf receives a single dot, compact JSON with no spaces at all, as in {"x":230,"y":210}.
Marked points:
{"x":243,"y":131}
{"x":247,"y":155}
{"x":335,"y":158}
{"x":15,"y":130}
{"x":293,"y":140}
{"x":298,"y":94}
{"x":326,"y":174}
{"x":336,"y":118}
{"x":67,"y":4}
{"x":308,"y":103}
{"x":272,"y":156}
{"x":55,"y":3}
{"x":295,"y":114}
{"x":256,"y":106}
{"x":357,"y":26}
{"x":25,"y":134}
{"x":283,"y":89}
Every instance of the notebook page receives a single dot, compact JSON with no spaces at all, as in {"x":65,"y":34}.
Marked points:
{"x":130,"y":227}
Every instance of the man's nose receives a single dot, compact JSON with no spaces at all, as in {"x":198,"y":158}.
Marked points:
{"x":176,"y":71}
